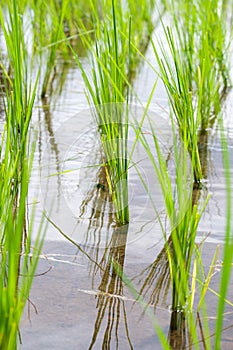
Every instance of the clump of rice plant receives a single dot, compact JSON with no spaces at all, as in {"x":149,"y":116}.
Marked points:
{"x":17,"y":259}
{"x":194,"y":68}
{"x":183,"y":216}
{"x":57,"y":34}
{"x":176,"y":78}
{"x":107,"y":91}
{"x":113,"y":63}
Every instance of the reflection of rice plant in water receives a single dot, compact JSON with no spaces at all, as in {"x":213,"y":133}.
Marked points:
{"x":110,"y":303}
{"x":155,"y":281}
{"x":98,"y":199}
{"x":18,"y":261}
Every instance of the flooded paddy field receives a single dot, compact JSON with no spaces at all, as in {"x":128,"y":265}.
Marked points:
{"x":128,"y":143}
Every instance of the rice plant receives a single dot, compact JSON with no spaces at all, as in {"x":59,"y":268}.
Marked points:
{"x":182,"y":212}
{"x":17,"y":259}
{"x":176,"y":78}
{"x":113,"y":61}
{"x":193,"y":65}
{"x":194,"y":70}
{"x":57,"y":34}
{"x":107,"y":90}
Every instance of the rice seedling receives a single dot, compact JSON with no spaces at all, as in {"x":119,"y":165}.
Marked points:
{"x":56,"y":35}
{"x":176,"y":78}
{"x":183,"y":216}
{"x":182,"y":255}
{"x":194,"y":68}
{"x":113,"y":64}
{"x":18,"y":260}
{"x":107,"y":90}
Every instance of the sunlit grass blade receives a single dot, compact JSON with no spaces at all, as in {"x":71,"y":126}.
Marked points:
{"x":226,"y":272}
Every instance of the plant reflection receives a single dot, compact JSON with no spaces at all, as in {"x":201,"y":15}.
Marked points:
{"x":107,"y":251}
{"x":98,"y":201}
{"x":109,"y":304}
{"x":54,"y":149}
{"x":156,"y":281}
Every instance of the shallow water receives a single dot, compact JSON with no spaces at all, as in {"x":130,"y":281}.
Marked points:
{"x":78,"y":302}
{"x":73,"y":313}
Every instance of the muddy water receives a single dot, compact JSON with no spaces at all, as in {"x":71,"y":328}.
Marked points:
{"x":77,"y":301}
